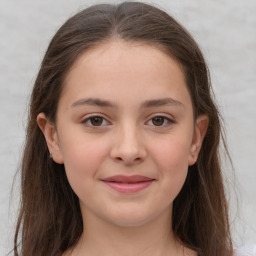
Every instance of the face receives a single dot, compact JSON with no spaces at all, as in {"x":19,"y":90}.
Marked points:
{"x":125,"y":132}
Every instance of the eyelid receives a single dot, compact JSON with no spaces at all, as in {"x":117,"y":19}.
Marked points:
{"x":88,"y":117}
{"x":169,"y":119}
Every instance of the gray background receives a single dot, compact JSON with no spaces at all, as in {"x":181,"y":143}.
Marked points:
{"x":226,"y":32}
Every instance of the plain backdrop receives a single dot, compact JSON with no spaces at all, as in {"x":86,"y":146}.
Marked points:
{"x":226,"y":33}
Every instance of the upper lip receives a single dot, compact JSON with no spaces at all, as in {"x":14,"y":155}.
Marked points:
{"x":127,"y":179}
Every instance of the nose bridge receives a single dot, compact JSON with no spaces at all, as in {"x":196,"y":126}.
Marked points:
{"x":128,"y":146}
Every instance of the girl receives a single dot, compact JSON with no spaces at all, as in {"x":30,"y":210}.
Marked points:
{"x":122,"y":147}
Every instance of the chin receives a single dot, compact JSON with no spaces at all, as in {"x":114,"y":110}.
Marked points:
{"x":130,"y":223}
{"x":133,"y":218}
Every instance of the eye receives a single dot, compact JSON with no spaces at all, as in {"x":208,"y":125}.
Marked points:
{"x":95,"y":121}
{"x":160,"y":121}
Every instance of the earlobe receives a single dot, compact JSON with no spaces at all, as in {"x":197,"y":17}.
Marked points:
{"x":200,"y":129}
{"x":51,"y":137}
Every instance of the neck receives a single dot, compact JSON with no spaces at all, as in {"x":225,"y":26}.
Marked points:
{"x":104,"y":238}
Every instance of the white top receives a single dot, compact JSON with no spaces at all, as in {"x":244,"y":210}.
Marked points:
{"x":248,"y":250}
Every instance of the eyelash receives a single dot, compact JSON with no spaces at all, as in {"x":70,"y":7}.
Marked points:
{"x":89,"y":119}
{"x":167,"y":121}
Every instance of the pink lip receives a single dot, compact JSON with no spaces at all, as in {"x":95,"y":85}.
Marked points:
{"x":128,"y":184}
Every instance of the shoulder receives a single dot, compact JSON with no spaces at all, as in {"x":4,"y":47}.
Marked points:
{"x":248,"y":250}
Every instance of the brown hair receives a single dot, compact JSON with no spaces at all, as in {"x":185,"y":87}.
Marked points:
{"x":50,"y":220}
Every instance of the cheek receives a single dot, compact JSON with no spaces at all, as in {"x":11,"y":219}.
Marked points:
{"x":171,"y":160}
{"x":82,"y":160}
{"x":171,"y":153}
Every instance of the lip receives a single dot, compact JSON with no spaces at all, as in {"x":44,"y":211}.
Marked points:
{"x":128,"y":184}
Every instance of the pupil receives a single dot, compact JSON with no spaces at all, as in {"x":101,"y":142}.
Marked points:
{"x":158,"y":121}
{"x":96,"y":121}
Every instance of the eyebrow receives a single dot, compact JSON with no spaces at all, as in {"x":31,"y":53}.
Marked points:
{"x":145,"y":104}
{"x":161,"y":102}
{"x":94,"y":102}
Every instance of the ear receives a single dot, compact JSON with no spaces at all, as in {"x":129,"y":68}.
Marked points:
{"x":200,"y":129}
{"x":51,"y":137}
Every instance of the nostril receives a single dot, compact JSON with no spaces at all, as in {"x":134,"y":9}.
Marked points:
{"x":128,"y":161}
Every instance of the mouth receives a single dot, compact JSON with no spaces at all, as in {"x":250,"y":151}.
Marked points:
{"x":128,"y":184}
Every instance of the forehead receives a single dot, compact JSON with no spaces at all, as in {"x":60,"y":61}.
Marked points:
{"x":120,"y":65}
{"x":113,"y":52}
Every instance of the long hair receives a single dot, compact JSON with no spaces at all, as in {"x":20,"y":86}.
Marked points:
{"x":50,"y":220}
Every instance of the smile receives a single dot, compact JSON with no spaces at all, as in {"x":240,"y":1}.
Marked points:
{"x":128,"y":184}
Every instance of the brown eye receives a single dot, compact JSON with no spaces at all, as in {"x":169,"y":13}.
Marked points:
{"x":96,"y":120}
{"x":158,"y":120}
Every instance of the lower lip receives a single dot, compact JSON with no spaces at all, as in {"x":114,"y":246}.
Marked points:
{"x":129,"y":187}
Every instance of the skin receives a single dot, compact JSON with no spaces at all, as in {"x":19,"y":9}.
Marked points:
{"x":128,"y":140}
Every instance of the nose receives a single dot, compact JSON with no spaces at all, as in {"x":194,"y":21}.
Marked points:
{"x":128,"y":147}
